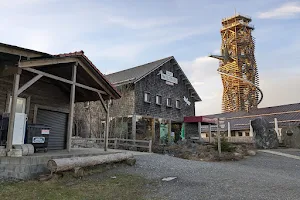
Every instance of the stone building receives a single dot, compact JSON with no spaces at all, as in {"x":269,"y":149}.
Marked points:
{"x":155,"y":96}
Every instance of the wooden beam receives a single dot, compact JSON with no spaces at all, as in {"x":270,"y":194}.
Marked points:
{"x":103,"y":103}
{"x":106,"y":127}
{"x":29,"y":83}
{"x":72,"y":105}
{"x":46,"y":61}
{"x":12,"y":112}
{"x":19,"y":51}
{"x":94,"y":77}
{"x":63,"y":80}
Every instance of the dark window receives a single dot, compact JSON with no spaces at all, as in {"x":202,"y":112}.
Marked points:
{"x":232,"y":134}
{"x":169,"y":102}
{"x":158,"y":99}
{"x":247,"y":134}
{"x":178,"y":104}
{"x":240,"y":134}
{"x":147,"y":97}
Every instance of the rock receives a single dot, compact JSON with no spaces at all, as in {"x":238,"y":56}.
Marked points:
{"x":265,"y":135}
{"x":130,"y":161}
{"x":251,"y":152}
{"x":167,"y":179}
{"x":238,"y":156}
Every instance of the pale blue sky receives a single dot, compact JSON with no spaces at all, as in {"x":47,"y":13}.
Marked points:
{"x":119,"y":34}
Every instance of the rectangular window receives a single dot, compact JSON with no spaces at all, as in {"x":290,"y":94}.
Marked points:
{"x":169,"y":102}
{"x":247,"y":134}
{"x":21,"y":104}
{"x":240,"y":134}
{"x":147,"y":97}
{"x":158,"y":99}
{"x":178,"y":106}
{"x":233,"y":134}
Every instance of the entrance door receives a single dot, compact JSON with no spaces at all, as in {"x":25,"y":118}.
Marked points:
{"x":58,"y":122}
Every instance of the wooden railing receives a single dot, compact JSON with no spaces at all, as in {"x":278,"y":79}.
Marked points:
{"x":115,"y":142}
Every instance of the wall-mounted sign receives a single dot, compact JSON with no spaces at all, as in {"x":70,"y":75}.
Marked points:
{"x":168,"y":77}
{"x":186,"y":100}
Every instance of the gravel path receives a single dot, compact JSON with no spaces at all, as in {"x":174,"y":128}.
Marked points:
{"x":263,"y":176}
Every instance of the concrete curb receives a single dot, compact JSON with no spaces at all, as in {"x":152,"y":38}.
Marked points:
{"x":280,"y":154}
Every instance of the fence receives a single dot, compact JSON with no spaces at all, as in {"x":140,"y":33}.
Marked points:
{"x":112,"y":143}
{"x":245,"y":139}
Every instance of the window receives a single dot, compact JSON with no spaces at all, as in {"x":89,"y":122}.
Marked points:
{"x":147,"y":97}
{"x":20,"y":107}
{"x":232,"y":134}
{"x":169,"y":102}
{"x":178,"y":106}
{"x":247,"y":134}
{"x":158,"y":100}
{"x":240,"y":134}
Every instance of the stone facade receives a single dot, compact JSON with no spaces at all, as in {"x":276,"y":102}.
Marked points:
{"x":156,"y":86}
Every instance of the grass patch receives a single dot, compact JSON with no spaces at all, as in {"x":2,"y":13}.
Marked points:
{"x":123,"y":187}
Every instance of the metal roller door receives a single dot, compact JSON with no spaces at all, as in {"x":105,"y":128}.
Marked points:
{"x":58,"y":122}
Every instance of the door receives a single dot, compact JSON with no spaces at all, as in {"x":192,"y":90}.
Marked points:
{"x":58,"y":122}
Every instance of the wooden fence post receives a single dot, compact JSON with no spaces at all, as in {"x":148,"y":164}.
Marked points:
{"x":115,"y":143}
{"x":150,"y":146}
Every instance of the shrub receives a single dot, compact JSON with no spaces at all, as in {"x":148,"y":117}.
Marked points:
{"x":225,"y":145}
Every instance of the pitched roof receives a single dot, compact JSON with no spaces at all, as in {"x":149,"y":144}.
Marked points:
{"x":81,"y":54}
{"x":135,"y":73}
{"x":286,"y":115}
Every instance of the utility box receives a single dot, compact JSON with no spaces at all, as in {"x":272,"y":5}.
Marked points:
{"x":38,"y":136}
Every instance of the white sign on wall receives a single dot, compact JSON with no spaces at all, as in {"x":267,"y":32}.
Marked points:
{"x":186,"y":100}
{"x":168,"y":77}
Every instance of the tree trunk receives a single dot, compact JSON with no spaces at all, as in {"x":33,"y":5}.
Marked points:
{"x":65,"y":164}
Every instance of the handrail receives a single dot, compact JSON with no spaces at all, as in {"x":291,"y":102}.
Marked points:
{"x":246,"y":81}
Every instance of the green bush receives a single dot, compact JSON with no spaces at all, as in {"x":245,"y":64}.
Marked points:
{"x":225,"y":145}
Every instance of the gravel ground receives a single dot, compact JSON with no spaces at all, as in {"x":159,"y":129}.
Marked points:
{"x":263,"y":176}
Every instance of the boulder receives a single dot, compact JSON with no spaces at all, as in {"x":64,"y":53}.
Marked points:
{"x":251,"y":152}
{"x":264,"y":134}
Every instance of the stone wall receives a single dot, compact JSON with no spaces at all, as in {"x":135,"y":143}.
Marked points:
{"x":156,"y":86}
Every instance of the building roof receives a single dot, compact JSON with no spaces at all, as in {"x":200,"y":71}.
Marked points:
{"x":37,"y":55}
{"x":286,"y":115}
{"x":81,"y":54}
{"x":135,"y":74}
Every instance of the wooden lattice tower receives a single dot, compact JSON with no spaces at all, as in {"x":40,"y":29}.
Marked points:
{"x":238,"y":66}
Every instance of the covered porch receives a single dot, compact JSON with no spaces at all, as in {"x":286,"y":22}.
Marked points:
{"x":50,"y":85}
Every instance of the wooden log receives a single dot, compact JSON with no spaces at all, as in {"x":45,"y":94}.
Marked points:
{"x":65,"y":164}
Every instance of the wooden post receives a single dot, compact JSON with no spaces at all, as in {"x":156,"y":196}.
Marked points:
{"x":115,"y":143}
{"x":209,"y":136}
{"x":169,"y":129}
{"x":106,"y":127}
{"x":150,"y":146}
{"x":71,"y":114}
{"x":228,"y":129}
{"x":219,"y":139}
{"x":251,"y":130}
{"x":199,"y":130}
{"x":12,"y":112}
{"x":153,"y":129}
{"x":133,"y":127}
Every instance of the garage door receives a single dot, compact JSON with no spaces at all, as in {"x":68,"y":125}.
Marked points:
{"x":58,"y":122}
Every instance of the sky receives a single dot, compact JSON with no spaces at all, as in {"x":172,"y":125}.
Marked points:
{"x":121,"y":34}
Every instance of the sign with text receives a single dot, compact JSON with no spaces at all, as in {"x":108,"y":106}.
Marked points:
{"x":168,"y":77}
